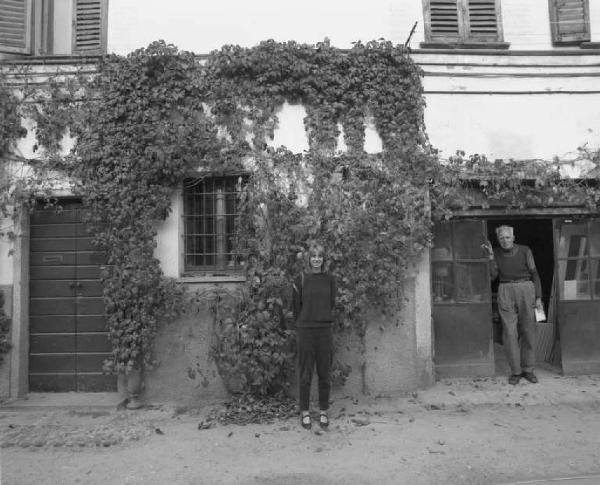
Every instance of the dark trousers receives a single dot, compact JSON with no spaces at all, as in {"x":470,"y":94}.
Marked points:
{"x":516,"y":303}
{"x":315,"y":346}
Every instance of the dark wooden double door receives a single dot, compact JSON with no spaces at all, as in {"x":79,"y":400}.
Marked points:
{"x":68,"y":340}
{"x":462,"y":297}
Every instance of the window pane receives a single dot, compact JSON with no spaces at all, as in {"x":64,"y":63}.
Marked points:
{"x":595,"y":237}
{"x":573,"y":240}
{"x":596,"y":277}
{"x":573,"y":279}
{"x":472,"y":282}
{"x":442,"y":282}
{"x":442,"y":242}
{"x":468,"y":238}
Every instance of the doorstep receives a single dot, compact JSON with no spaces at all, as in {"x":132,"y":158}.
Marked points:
{"x":63,"y":400}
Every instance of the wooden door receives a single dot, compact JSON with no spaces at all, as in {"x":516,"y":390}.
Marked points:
{"x":68,"y":340}
{"x":461,"y":295}
{"x":577,"y":243}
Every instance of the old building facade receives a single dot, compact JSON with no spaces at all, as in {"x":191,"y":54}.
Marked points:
{"x":502,"y":78}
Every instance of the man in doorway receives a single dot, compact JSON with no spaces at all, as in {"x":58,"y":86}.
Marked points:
{"x":519,"y":293}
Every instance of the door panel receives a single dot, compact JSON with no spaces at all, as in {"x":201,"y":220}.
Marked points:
{"x":51,"y":288}
{"x":578,"y":246}
{"x":51,"y":306}
{"x":53,"y":324}
{"x":53,"y":245}
{"x":68,"y":337}
{"x":462,"y":314}
{"x":52,"y":343}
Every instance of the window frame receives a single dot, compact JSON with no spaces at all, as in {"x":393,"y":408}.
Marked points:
{"x":223,"y":251}
{"x":465,"y":37}
{"x":572,"y":39}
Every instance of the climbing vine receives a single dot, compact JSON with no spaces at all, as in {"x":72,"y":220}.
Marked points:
{"x":145,"y":121}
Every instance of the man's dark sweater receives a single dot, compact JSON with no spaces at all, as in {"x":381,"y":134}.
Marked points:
{"x":313,"y":301}
{"x":516,"y":264}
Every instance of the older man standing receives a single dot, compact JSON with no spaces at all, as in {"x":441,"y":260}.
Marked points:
{"x":519,"y":293}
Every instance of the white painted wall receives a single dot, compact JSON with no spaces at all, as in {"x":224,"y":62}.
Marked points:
{"x":513,"y":126}
{"x":204,"y":26}
{"x":6,"y":261}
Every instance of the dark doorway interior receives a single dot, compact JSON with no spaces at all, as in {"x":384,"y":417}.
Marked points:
{"x":538,"y":235}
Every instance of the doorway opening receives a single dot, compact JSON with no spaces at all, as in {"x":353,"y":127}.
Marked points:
{"x":538,"y":235}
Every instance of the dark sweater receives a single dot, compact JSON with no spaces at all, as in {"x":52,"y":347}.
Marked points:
{"x":516,"y":264}
{"x":313,"y":301}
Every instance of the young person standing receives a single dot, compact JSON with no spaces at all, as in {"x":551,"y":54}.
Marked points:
{"x":314,"y":294}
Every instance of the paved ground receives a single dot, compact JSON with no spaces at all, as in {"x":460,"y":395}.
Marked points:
{"x":480,"y":431}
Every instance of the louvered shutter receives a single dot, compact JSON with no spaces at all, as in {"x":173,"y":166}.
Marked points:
{"x":443,"y":20}
{"x":89,"y":27}
{"x":15,"y":26}
{"x":570,"y":20}
{"x":482,"y":17}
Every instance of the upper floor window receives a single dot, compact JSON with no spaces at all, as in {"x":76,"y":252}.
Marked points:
{"x":53,"y":27}
{"x":462,"y":21}
{"x":569,"y":21}
{"x":211,"y":222}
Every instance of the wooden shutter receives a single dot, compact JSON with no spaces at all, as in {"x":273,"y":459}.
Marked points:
{"x":442,"y":20}
{"x":483,"y":25}
{"x":15,"y":26}
{"x":569,"y":20}
{"x":89,"y":27}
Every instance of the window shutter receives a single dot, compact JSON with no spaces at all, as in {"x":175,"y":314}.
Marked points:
{"x":570,"y":20}
{"x":443,"y":20}
{"x":89,"y":27}
{"x":15,"y":26}
{"x":483,"y":21}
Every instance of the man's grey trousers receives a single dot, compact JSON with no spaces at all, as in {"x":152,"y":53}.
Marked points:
{"x":516,"y":304}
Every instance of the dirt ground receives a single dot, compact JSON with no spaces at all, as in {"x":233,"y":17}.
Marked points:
{"x":458,"y":432}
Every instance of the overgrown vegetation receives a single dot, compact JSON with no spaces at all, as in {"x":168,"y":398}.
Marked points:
{"x":4,"y":328}
{"x":147,"y":120}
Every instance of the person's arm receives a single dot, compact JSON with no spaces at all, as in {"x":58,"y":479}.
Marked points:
{"x":493,"y":265}
{"x":535,"y":277}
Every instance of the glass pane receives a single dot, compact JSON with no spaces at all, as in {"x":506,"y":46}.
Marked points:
{"x":442,"y":282}
{"x":468,"y":238}
{"x":442,"y":242}
{"x":472,"y":282}
{"x":573,"y":240}
{"x":595,"y":237}
{"x":596,"y":277}
{"x":573,"y":279}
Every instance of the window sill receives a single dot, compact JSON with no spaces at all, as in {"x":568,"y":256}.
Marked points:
{"x":590,"y":45}
{"x":51,"y":59}
{"x":465,"y":45}
{"x":209,"y":278}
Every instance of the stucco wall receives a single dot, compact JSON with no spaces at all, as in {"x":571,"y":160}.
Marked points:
{"x":202,"y":27}
{"x":5,"y":363}
{"x":6,"y":261}
{"x":386,"y":363}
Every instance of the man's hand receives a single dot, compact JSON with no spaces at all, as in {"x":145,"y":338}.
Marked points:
{"x":538,"y":304}
{"x":488,"y":247}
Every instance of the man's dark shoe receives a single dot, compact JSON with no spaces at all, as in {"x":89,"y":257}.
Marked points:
{"x":514,"y":379}
{"x":530,"y":376}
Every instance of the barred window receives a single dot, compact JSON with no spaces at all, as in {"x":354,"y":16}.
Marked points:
{"x":211,"y":222}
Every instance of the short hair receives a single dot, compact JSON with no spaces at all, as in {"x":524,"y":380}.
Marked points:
{"x":508,"y":229}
